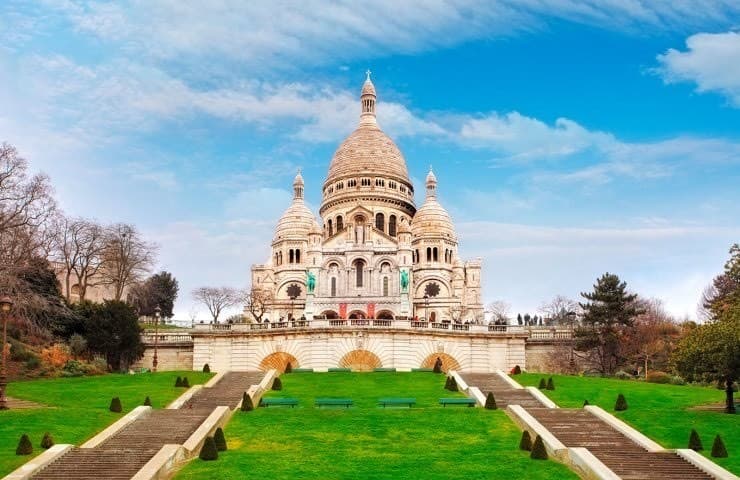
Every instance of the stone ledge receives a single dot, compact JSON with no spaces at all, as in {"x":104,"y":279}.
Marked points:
{"x":587,"y":466}
{"x":509,"y":380}
{"x":536,"y":393}
{"x":215,"y":379}
{"x":32,"y":467}
{"x":161,"y":465}
{"x":704,"y":464}
{"x":462,"y":385}
{"x":625,"y":429}
{"x":216,"y":419}
{"x":114,"y":428}
{"x":183,"y":399}
{"x":521,"y":417}
{"x":474,"y":392}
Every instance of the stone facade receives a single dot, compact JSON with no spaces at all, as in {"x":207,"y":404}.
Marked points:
{"x":374,"y":255}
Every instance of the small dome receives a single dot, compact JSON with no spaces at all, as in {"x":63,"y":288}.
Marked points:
{"x":432,"y":220}
{"x":368,"y":150}
{"x":296,"y":222}
{"x":368,"y":88}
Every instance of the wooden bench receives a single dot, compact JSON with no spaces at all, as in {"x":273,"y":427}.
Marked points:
{"x":470,"y":402}
{"x":303,"y":370}
{"x":333,"y":402}
{"x":422,"y":369}
{"x":397,"y":401}
{"x":339,"y":369}
{"x":384,"y":369}
{"x":278,"y":402}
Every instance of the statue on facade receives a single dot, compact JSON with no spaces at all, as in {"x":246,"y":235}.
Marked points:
{"x":404,"y":280}
{"x":310,"y":281}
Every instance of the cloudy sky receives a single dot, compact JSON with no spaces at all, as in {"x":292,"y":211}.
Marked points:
{"x":569,"y":138}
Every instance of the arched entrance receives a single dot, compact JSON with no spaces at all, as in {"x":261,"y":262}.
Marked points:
{"x":360,"y":361}
{"x":384,"y":315}
{"x":278,"y":361}
{"x":356,"y":314}
{"x":330,"y":314}
{"x":448,"y":361}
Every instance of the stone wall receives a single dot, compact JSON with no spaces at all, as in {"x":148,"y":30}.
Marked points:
{"x":169,"y":357}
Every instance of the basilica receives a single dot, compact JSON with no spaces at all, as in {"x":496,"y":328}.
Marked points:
{"x":374,"y":254}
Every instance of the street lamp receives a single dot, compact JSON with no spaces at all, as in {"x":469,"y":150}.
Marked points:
{"x":572,"y":363}
{"x":6,"y":304}
{"x":155,"y":361}
{"x":426,"y":307}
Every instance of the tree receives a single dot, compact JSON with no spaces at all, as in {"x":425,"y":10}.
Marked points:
{"x":610,"y":311}
{"x":519,"y":318}
{"x":257,"y":302}
{"x":112,"y":330}
{"x":653,"y":336}
{"x":561,"y":310}
{"x":158,"y":291}
{"x":78,"y":247}
{"x":499,"y":312}
{"x":128,"y":257}
{"x":217,"y":299}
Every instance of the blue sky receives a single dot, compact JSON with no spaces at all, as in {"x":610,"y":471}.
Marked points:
{"x":569,"y":138}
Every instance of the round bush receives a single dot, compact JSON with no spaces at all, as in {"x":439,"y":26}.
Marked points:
{"x":115,"y":405}
{"x":209,"y":451}
{"x":677,"y":380}
{"x":658,"y":377}
{"x":47,"y":441}
{"x":220,"y":440}
{"x":24,"y":446}
{"x":622,"y":375}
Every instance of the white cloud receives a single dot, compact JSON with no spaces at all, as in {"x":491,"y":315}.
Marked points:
{"x":711,"y":61}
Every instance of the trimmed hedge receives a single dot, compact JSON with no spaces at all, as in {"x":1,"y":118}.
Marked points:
{"x":147,"y":401}
{"x":277,"y":384}
{"x":621,"y":403}
{"x":550,"y":384}
{"x":185,"y":382}
{"x":451,"y":384}
{"x":658,"y":377}
{"x":289,"y":368}
{"x":490,"y":402}
{"x":526,"y":442}
{"x":542,"y":385}
{"x":209,"y":451}
{"x":178,"y":382}
{"x":585,"y":402}
{"x":206,"y":368}
{"x":115,"y":405}
{"x":517,"y":369}
{"x":718,"y":448}
{"x":220,"y":440}
{"x":47,"y":441}
{"x":247,"y":405}
{"x":24,"y":446}
{"x":538,"y":449}
{"x":695,"y":442}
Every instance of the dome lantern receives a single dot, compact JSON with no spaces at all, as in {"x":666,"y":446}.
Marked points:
{"x":367,"y":101}
{"x":431,"y":183}
{"x":298,"y":185}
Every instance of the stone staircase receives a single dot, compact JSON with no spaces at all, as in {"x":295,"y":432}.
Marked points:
{"x":580,"y":428}
{"x":126,"y":452}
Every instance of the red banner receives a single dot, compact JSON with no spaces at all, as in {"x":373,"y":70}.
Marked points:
{"x":370,"y":310}
{"x":342,"y":310}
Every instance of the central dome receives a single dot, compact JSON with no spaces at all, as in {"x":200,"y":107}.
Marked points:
{"x":368,"y":150}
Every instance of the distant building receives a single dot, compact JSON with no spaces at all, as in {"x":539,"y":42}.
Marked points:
{"x":97,"y":291}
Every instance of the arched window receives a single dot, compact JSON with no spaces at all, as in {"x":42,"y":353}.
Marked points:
{"x":280,"y":258}
{"x":291,"y":259}
{"x":435,"y":255}
{"x":385,"y":286}
{"x":429,"y":254}
{"x":380,"y":222}
{"x":359,"y":265}
{"x":392,"y":225}
{"x":417,"y":256}
{"x":276,"y":259}
{"x":331,"y":231}
{"x":298,"y":256}
{"x":340,"y":224}
{"x":333,"y":286}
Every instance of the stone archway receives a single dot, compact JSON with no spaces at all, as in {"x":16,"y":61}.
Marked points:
{"x":448,"y":361}
{"x":278,"y":361}
{"x":360,"y":361}
{"x":356,"y":314}
{"x":384,"y":315}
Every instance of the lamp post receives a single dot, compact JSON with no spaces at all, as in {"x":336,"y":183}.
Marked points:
{"x":6,"y":304}
{"x":155,"y":360}
{"x":572,"y":363}
{"x":426,"y":307}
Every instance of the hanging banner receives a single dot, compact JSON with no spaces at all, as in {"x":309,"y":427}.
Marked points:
{"x":342,"y":310}
{"x":370,"y":310}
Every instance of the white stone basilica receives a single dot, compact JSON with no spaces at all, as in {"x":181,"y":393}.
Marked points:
{"x":376,"y":255}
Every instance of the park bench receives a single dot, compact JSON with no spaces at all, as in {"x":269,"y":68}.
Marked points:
{"x":281,"y":402}
{"x":470,"y":402}
{"x":422,"y":369}
{"x":340,"y":369}
{"x":334,"y":402}
{"x":397,"y":401}
{"x":384,"y":369}
{"x":303,"y":370}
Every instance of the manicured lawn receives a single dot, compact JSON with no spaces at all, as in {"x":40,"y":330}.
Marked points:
{"x":369,"y":442}
{"x":662,"y":412}
{"x":77,"y":408}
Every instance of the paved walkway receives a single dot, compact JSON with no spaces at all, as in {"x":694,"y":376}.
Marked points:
{"x":122,"y":455}
{"x":576,"y":427}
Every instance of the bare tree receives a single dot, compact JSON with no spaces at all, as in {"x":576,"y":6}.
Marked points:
{"x":653,"y":338}
{"x":127,"y":257}
{"x":457,"y":312}
{"x":257,"y":302}
{"x":79,"y":247}
{"x":217,"y":299}
{"x":499,"y":312}
{"x":559,"y":311}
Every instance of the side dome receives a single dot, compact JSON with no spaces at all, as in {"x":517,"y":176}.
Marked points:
{"x":432,"y":220}
{"x":297,"y":221}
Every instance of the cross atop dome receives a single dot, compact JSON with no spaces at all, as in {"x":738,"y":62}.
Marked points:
{"x":368,"y":72}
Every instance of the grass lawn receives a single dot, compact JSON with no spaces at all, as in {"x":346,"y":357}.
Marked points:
{"x":78,"y":407}
{"x":662,"y":412}
{"x":369,"y":442}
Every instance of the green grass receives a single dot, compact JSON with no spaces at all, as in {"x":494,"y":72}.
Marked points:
{"x":369,"y":442}
{"x":662,"y":412}
{"x":77,"y":408}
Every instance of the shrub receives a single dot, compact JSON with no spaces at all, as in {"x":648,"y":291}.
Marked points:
{"x":526,"y":442}
{"x":77,"y":345}
{"x":24,"y":446}
{"x":47,"y":441}
{"x":178,"y":382}
{"x":490,"y":402}
{"x":220,"y":440}
{"x":206,"y":368}
{"x":185,"y":382}
{"x":677,"y":380}
{"x":517,"y":370}
{"x":585,"y":402}
{"x":550,"y":384}
{"x":33,"y":363}
{"x":452,"y":384}
{"x":55,"y":356}
{"x":621,"y":404}
{"x":19,"y":352}
{"x":658,"y":377}
{"x":538,"y":449}
{"x":543,"y":384}
{"x":247,"y":405}
{"x":147,"y":401}
{"x":209,"y":450}
{"x":718,"y":448}
{"x":289,"y":368}
{"x":115,"y":405}
{"x":622,"y":375}
{"x":73,"y":368}
{"x":695,"y":441}
{"x":277,"y":384}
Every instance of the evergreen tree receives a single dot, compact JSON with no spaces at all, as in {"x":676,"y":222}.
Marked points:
{"x":621,"y":403}
{"x":609,"y":311}
{"x":178,"y":382}
{"x":526,"y":442}
{"x":24,"y":446}
{"x":113,"y":330}
{"x":550,"y":384}
{"x":695,"y":442}
{"x":47,"y":441}
{"x":490,"y":402}
{"x":247,"y":405}
{"x":209,"y":450}
{"x":115,"y":405}
{"x":527,"y":319}
{"x":159,"y":290}
{"x":718,"y":448}
{"x":185,"y":382}
{"x":543,"y":384}
{"x":220,"y":440}
{"x":519,"y":319}
{"x":147,"y":401}
{"x":277,"y":384}
{"x":539,"y":452}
